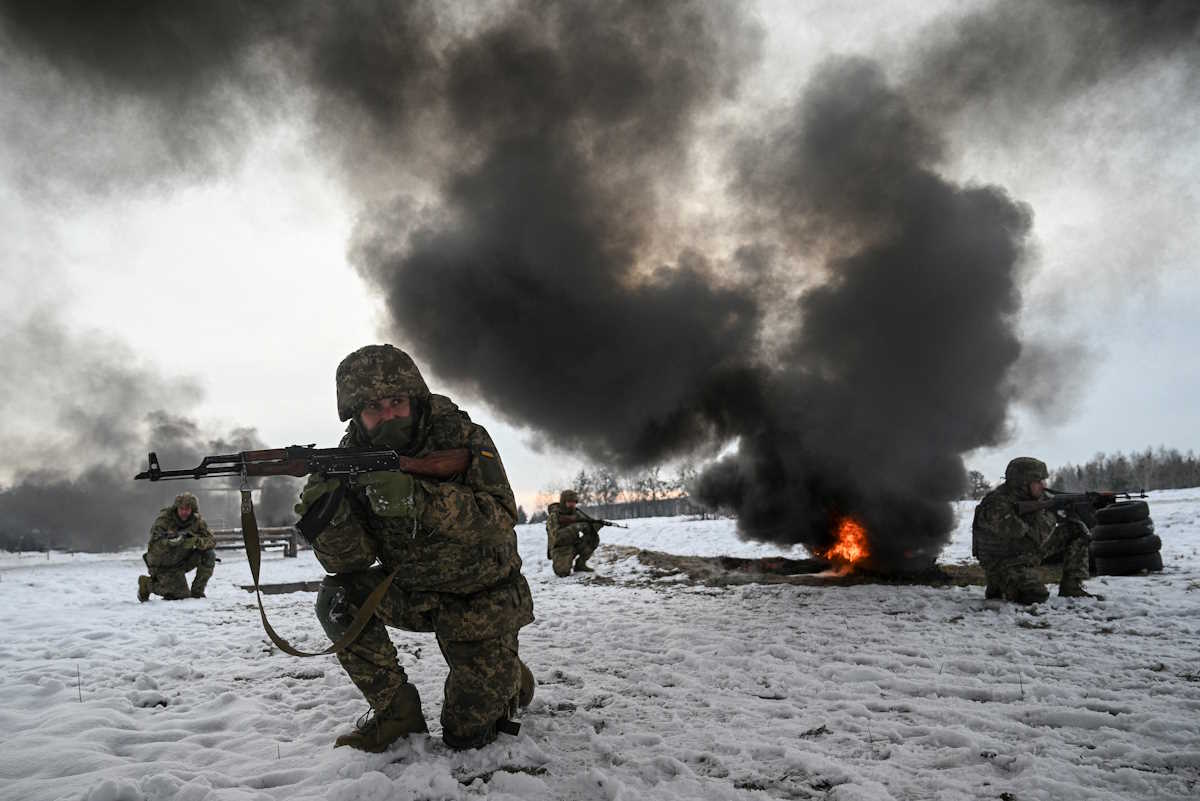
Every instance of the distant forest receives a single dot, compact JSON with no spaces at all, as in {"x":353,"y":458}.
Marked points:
{"x":1149,"y":470}
{"x":1165,"y":468}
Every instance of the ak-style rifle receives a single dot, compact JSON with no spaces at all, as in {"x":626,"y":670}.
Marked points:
{"x":303,"y":460}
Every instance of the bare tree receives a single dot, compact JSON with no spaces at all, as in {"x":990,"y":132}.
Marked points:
{"x":607,"y":484}
{"x":585,"y":486}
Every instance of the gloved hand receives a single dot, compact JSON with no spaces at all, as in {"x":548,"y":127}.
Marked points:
{"x":390,"y":493}
{"x":316,"y":489}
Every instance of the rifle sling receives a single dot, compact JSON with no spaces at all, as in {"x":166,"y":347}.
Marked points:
{"x":254,"y":556}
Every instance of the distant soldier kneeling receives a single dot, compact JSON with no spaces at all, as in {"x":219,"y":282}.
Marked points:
{"x":1010,"y":546}
{"x":179,"y":541}
{"x":571,"y":535}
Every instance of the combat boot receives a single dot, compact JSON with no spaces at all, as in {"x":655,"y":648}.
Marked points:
{"x":581,"y":566}
{"x":376,"y":732}
{"x":992,"y":593}
{"x":143,"y":589}
{"x":1073,"y":589}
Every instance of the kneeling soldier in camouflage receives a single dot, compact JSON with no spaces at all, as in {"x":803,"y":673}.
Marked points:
{"x":1010,"y":546}
{"x":179,"y":541}
{"x":449,"y":545}
{"x":571,"y":536}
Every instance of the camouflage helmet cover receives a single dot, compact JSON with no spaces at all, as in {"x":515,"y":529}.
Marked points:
{"x":1024,"y":470}
{"x":187,"y":499}
{"x":568,"y":496}
{"x":376,"y":371}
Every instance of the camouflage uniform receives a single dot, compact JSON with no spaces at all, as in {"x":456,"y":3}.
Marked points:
{"x":177,"y":546}
{"x":1010,"y":546}
{"x":456,"y":550}
{"x":570,"y":537}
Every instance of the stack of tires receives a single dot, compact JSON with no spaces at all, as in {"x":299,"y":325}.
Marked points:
{"x":1124,"y":542}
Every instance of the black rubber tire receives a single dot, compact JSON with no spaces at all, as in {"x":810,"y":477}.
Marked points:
{"x":1128,"y":565}
{"x":1123,"y":512}
{"x":1123,"y":531}
{"x":1106,"y":549}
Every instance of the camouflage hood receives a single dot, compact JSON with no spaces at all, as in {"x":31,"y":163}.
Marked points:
{"x":378,"y":371}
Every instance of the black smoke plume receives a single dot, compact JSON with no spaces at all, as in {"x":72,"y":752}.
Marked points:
{"x":81,"y":415}
{"x":901,"y":358}
{"x":574,"y":121}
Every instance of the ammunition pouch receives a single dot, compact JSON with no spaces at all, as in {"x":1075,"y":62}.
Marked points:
{"x":346,"y":548}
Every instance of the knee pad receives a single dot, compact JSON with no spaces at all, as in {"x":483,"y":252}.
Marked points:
{"x":208,"y":558}
{"x":334,"y":609}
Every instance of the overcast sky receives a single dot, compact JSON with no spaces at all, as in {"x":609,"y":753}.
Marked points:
{"x":238,"y":276}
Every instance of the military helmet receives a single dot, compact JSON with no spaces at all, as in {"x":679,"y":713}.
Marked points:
{"x":566,"y":496}
{"x":376,"y":371}
{"x":1024,"y":470}
{"x":187,"y":499}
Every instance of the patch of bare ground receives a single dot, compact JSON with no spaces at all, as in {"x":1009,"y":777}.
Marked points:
{"x":724,"y":571}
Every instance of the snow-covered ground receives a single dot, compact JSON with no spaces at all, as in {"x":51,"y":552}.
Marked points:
{"x":648,"y":689}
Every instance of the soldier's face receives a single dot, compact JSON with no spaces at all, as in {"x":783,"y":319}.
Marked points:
{"x":1036,"y":488}
{"x":384,"y":409}
{"x":572,"y":504}
{"x":184,"y":512}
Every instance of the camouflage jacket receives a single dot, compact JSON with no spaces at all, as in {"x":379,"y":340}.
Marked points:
{"x":172,"y":540}
{"x":460,"y":538}
{"x":561,"y":521}
{"x":998,"y":532}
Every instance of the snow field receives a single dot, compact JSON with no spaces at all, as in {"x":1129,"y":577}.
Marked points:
{"x":647,"y":688}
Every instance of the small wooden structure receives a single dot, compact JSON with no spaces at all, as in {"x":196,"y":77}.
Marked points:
{"x":286,"y":537}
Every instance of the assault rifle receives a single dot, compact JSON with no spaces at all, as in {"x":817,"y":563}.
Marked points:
{"x":589,"y":519}
{"x":301,"y":460}
{"x":1075,"y":505}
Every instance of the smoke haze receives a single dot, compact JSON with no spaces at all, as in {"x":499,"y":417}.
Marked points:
{"x":848,"y":313}
{"x":91,"y":413}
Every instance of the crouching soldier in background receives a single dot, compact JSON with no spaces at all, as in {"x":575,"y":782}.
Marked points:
{"x":447,"y":547}
{"x":179,"y":541}
{"x":571,"y":535}
{"x":1011,"y":546}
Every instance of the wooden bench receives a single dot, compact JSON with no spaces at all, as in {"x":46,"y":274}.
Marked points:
{"x":286,"y":537}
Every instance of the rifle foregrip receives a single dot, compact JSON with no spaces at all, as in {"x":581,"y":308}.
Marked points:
{"x":438,"y":464}
{"x":271,"y":453}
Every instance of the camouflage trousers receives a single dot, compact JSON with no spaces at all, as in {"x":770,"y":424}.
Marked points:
{"x":569,"y":546}
{"x":171,"y":583}
{"x":1015,"y":578}
{"x":477,"y":639}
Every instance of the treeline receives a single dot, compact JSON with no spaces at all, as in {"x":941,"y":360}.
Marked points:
{"x":1165,"y":468}
{"x":1150,"y":470}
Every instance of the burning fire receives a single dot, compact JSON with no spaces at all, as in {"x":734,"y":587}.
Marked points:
{"x":851,"y":544}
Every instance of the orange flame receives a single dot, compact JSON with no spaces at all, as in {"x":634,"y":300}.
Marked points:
{"x":851,"y":544}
